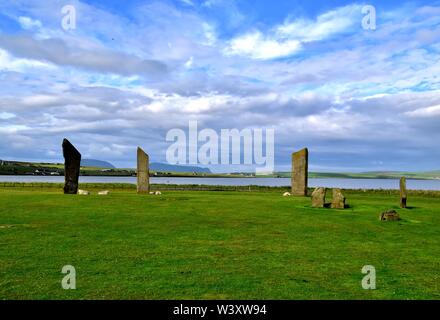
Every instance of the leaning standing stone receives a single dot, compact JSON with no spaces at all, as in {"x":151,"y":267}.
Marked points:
{"x":143,"y":175}
{"x":318,"y":197}
{"x":338,"y":201}
{"x":72,"y":165}
{"x":403,"y":193}
{"x":300,"y":164}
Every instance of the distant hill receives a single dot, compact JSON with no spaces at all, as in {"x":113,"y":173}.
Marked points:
{"x":154,"y":166}
{"x":96,"y":163}
{"x":164,"y":167}
{"x":92,"y":167}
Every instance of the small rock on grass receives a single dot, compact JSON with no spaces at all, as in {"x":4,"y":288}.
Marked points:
{"x":389,"y":215}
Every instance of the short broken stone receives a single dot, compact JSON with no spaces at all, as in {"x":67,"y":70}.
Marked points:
{"x":83,"y":192}
{"x":338,"y":201}
{"x":389,"y":215}
{"x":318,"y":197}
{"x":104,"y":193}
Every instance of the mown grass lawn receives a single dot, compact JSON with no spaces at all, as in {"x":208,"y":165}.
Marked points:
{"x":215,"y":245}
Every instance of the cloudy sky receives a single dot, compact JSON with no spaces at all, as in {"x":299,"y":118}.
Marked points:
{"x":359,"y":99}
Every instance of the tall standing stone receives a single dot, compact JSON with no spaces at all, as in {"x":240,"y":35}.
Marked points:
{"x":72,"y":165}
{"x":403,"y":193}
{"x":143,"y":174}
{"x":300,"y":166}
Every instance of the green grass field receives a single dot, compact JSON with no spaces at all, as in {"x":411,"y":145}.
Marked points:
{"x":215,"y":245}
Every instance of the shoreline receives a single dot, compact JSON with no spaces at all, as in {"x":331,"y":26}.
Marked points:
{"x":200,"y":187}
{"x":311,"y":176}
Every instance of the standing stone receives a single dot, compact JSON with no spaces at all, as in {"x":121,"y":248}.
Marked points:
{"x":72,"y":165}
{"x":318,"y":198}
{"x":338,"y":201}
{"x":300,"y":164}
{"x":403,"y":193}
{"x":143,"y":174}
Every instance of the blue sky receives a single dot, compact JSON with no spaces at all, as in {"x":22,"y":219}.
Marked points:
{"x":359,"y":99}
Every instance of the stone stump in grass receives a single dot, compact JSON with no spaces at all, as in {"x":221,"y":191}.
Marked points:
{"x":403,"y":192}
{"x":338,"y":201}
{"x":318,"y":197}
{"x":72,"y":166}
{"x":143,"y":174}
{"x":389,"y":215}
{"x":300,"y":164}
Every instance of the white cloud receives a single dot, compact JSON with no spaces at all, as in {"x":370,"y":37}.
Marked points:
{"x":10,"y":63}
{"x":424,"y":112}
{"x":12,"y":129}
{"x":330,"y":23}
{"x":29,"y":23}
{"x":188,"y":2}
{"x":256,"y":46}
{"x":209,"y":33}
{"x":189,"y":63}
{"x":181,"y":105}
{"x":6,"y":115}
{"x":287,"y":39}
{"x":39,"y":100}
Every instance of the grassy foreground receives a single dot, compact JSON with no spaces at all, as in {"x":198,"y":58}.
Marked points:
{"x":215,"y":245}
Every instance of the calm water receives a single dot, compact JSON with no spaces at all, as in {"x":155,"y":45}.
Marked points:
{"x":327,"y":182}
